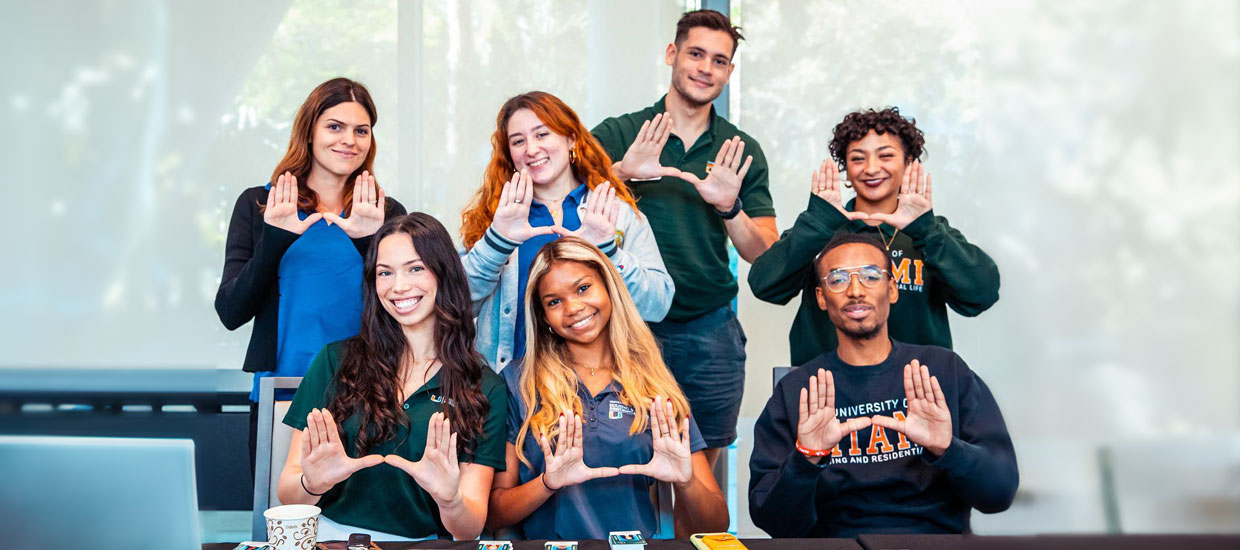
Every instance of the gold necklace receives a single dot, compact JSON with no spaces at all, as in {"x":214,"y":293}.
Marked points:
{"x":886,"y":243}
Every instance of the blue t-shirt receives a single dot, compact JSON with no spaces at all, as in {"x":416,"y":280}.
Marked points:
{"x":540,"y":216}
{"x":592,"y":509}
{"x":320,"y":299}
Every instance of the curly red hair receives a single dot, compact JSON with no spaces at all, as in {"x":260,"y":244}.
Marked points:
{"x":593,"y":166}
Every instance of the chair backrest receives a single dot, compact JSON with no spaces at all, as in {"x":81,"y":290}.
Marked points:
{"x":777,"y":373}
{"x":271,"y":448}
{"x":663,"y":511}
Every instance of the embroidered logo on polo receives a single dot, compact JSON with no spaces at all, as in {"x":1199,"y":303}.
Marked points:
{"x":616,"y":410}
{"x":440,"y":398}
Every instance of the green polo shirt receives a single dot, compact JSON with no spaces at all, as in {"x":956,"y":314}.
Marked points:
{"x":385,"y":498}
{"x":691,"y":235}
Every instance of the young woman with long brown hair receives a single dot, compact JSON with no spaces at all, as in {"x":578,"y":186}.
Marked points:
{"x":593,"y":381}
{"x":293,"y":258}
{"x":400,"y":428}
{"x":549,"y":177}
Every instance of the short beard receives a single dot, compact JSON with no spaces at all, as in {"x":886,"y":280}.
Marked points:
{"x":689,"y":98}
{"x":863,"y":334}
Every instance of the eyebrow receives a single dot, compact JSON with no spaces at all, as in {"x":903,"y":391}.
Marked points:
{"x":514,"y":134}
{"x":343,"y":123}
{"x":575,"y":283}
{"x":413,"y":261}
{"x":859,"y":150}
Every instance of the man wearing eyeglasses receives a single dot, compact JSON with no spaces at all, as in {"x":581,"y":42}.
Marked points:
{"x":876,"y":436}
{"x":935,"y":267}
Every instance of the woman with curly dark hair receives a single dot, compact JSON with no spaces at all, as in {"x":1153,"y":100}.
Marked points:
{"x":934,"y":266}
{"x":400,"y":428}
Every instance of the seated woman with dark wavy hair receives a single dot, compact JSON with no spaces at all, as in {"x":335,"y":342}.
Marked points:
{"x":400,"y":429}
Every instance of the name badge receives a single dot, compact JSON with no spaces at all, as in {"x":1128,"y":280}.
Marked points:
{"x":617,"y":410}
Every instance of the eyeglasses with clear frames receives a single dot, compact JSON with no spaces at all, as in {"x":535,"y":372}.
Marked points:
{"x":870,"y":276}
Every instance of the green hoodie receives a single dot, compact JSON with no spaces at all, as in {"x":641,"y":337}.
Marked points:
{"x":935,"y":267}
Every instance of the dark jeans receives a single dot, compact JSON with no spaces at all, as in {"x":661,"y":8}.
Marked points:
{"x":707,"y":357}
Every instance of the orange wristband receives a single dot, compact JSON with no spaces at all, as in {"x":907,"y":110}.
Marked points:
{"x":812,"y":452}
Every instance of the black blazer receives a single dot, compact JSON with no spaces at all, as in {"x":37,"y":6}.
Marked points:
{"x":249,"y":288}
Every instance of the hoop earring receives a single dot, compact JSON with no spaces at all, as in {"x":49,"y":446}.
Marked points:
{"x":572,"y":159}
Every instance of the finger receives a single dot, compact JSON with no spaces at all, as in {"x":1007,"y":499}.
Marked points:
{"x":858,"y":216}
{"x":880,"y":217}
{"x":432,"y":432}
{"x":737,"y":154}
{"x":939,"y":399}
{"x":803,"y":409}
{"x":654,"y":420}
{"x":271,"y":193}
{"x":666,"y":131}
{"x":546,"y":446}
{"x":331,"y":217}
{"x":644,"y":134}
{"x":915,"y":374}
{"x":833,"y":176}
{"x":745,"y":167}
{"x":830,"y":404}
{"x":382,"y":201}
{"x":357,"y":190}
{"x":527,"y":189}
{"x":885,"y":422}
{"x":445,"y":435}
{"x":329,"y":423}
{"x":578,"y":434}
{"x":724,"y":150}
{"x":904,"y":182}
{"x":684,"y":431}
{"x":927,"y":392}
{"x":669,"y":415}
{"x":452,"y":449}
{"x":290,"y":190}
{"x":813,"y":394}
{"x":855,"y":424}
{"x":399,"y":462}
{"x":305,"y":446}
{"x":371,"y":192}
{"x":561,"y":440}
{"x":635,"y":469}
{"x":661,"y":416}
{"x":312,"y":219}
{"x":312,"y":426}
{"x":927,"y":193}
{"x":367,"y":461}
{"x":613,"y":212}
{"x":822,"y":388}
{"x":908,"y":383}
{"x":815,"y":185}
{"x":549,"y":230}
{"x":596,"y":473}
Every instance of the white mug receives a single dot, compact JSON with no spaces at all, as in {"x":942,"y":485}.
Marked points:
{"x":293,"y":526}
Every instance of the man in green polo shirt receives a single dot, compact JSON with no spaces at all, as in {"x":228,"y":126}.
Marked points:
{"x":700,"y":181}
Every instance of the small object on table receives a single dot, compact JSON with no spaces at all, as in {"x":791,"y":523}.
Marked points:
{"x":626,"y":540}
{"x":560,"y":545}
{"x":252,"y":545}
{"x":358,"y":541}
{"x":494,"y":545}
{"x":716,"y":541}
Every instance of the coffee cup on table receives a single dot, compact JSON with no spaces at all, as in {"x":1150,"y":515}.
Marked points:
{"x":292,"y":526}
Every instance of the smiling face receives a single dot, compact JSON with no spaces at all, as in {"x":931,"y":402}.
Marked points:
{"x":875,"y":165}
{"x":341,"y":139}
{"x":701,"y":65}
{"x":858,"y":312}
{"x":575,"y":303}
{"x":405,"y":286}
{"x":534,"y":147}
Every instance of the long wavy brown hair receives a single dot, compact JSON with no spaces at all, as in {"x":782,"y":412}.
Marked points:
{"x":548,"y":382}
{"x":368,"y":382}
{"x":298,"y":158}
{"x":593,"y":166}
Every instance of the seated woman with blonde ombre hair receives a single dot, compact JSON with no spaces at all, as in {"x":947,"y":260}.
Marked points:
{"x":595,"y":417}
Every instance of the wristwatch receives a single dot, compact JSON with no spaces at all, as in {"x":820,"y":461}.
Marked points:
{"x":736,"y":209}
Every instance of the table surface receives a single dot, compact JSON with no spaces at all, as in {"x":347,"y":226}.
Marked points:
{"x":878,"y":542}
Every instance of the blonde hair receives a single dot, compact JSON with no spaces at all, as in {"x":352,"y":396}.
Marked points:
{"x":549,"y":383}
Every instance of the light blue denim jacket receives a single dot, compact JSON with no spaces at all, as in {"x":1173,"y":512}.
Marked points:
{"x":491,"y":268}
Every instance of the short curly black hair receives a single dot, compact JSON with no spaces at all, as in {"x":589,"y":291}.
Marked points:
{"x":859,"y":123}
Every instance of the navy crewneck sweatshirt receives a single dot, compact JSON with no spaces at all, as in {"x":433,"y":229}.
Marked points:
{"x":877,"y":481}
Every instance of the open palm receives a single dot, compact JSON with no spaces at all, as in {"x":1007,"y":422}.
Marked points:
{"x":566,"y":466}
{"x":281,"y":208}
{"x":928,"y":422}
{"x":913,"y":201}
{"x":817,"y":426}
{"x":723,"y":184}
{"x":598,"y":223}
{"x":323,"y":459}
{"x":367,"y":211}
{"x":672,"y":460}
{"x":641,"y":160}
{"x":512,"y":214}
{"x":438,"y":471}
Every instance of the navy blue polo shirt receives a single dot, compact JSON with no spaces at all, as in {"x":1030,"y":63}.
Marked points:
{"x":592,"y":509}
{"x":540,"y":216}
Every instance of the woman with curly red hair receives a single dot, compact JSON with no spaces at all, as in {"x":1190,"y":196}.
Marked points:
{"x":549,"y":177}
